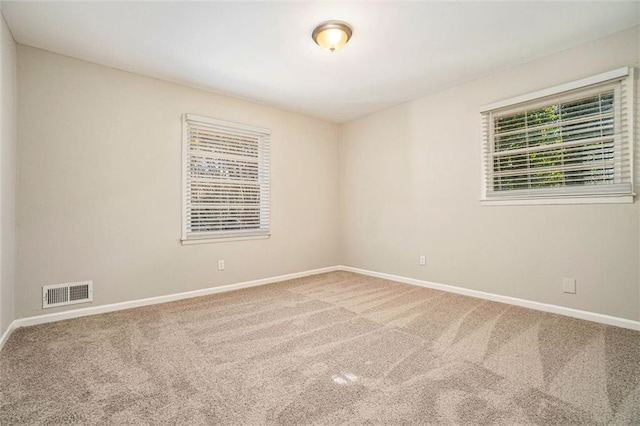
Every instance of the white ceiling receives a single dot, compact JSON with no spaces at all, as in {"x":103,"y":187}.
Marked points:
{"x":263,"y":51}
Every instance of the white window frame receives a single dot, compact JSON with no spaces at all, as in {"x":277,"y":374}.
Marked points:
{"x":573,"y":195}
{"x":263,"y":135}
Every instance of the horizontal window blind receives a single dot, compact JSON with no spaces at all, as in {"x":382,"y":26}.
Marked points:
{"x":577,"y":143}
{"x":226,"y":179}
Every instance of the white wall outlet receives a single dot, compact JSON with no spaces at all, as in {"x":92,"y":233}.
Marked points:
{"x":220,"y":265}
{"x":423,"y":260}
{"x":569,"y":285}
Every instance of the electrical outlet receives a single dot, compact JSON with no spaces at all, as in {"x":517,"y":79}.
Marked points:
{"x":220,"y":265}
{"x":569,"y":285}
{"x":423,"y":260}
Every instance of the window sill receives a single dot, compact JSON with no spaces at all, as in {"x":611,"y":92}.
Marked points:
{"x":229,"y":239}
{"x":618,"y":199}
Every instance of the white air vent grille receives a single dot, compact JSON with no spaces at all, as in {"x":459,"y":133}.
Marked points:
{"x":67,"y":294}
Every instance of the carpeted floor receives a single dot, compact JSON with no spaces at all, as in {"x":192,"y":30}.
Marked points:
{"x":336,"y":348}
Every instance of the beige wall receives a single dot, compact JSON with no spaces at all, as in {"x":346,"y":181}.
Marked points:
{"x":99,"y":187}
{"x":99,"y":192}
{"x":7,"y":174}
{"x":410,"y":184}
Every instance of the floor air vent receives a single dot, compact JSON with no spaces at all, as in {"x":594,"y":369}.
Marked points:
{"x":67,"y":294}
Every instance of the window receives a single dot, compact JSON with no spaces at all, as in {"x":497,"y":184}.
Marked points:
{"x":569,"y":144}
{"x":225,"y":180}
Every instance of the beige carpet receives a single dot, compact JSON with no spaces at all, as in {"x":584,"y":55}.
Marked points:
{"x":336,"y":348}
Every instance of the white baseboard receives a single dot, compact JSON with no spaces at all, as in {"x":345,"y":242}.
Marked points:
{"x":75,"y":313}
{"x":94,"y":310}
{"x":7,"y":333}
{"x":561,"y":310}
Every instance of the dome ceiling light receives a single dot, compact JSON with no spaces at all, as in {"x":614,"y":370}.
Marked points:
{"x":332,"y":35}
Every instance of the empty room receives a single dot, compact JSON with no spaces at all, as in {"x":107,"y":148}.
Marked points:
{"x":319,"y":213}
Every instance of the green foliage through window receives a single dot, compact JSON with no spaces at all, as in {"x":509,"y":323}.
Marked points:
{"x":562,"y":144}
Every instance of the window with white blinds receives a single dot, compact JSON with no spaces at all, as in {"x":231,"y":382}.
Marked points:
{"x":572,"y":142}
{"x":226,"y":179}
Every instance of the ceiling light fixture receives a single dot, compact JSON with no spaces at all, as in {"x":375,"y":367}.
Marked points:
{"x":332,"y":35}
